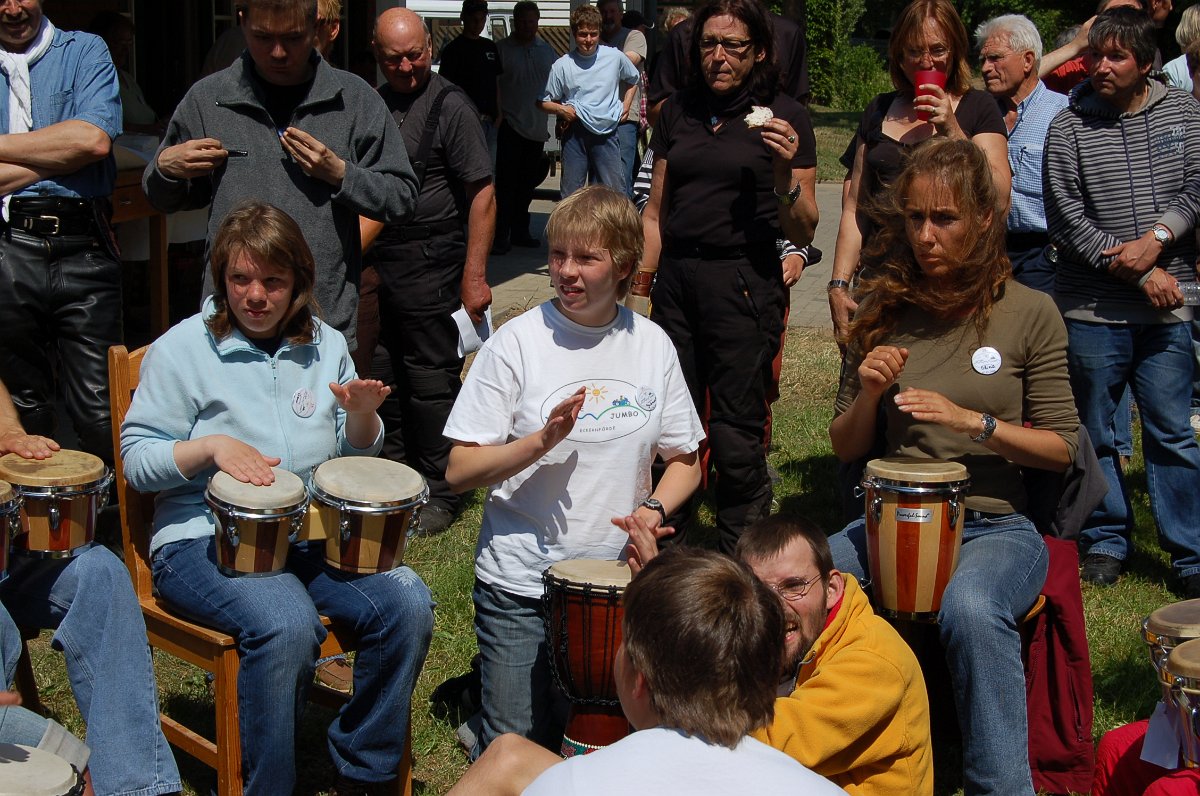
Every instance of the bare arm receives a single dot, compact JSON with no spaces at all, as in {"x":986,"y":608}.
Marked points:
{"x":57,"y":149}
{"x":853,"y":432}
{"x":14,"y":177}
{"x":799,"y":221}
{"x":627,"y":100}
{"x":368,"y":231}
{"x":13,"y":438}
{"x":481,"y":229}
{"x":995,"y":149}
{"x":656,"y":210}
{"x":559,"y":109}
{"x":848,"y":248}
{"x":1072,"y":49}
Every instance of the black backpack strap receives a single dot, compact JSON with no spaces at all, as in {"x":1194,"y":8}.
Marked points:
{"x":426,"y":146}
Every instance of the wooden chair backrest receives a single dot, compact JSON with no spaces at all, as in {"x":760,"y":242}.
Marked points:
{"x":137,"y":508}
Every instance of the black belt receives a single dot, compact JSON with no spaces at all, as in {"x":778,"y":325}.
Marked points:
{"x":52,"y":216}
{"x":699,"y":251}
{"x":413,"y":232}
{"x":1024,"y":241}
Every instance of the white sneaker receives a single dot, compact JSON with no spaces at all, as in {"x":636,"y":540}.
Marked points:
{"x":1195,"y":420}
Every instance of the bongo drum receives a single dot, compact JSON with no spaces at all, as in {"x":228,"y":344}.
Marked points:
{"x":362,"y":508}
{"x":582,"y":610}
{"x":254,"y":522}
{"x":9,"y":522}
{"x":1164,"y":630}
{"x":25,"y":771}
{"x":914,"y":512}
{"x":1183,"y":667}
{"x":60,"y":498}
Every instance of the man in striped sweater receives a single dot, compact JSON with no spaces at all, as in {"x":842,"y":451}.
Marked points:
{"x":1122,"y":195}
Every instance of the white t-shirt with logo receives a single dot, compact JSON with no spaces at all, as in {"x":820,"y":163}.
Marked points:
{"x":637,"y":405}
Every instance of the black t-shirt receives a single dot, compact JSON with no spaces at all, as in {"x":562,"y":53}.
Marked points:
{"x":281,"y":101}
{"x":459,"y":153}
{"x":791,"y":53}
{"x":722,"y":184}
{"x":473,"y":65}
{"x":976,"y":113}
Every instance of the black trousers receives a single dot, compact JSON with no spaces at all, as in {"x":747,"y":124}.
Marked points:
{"x":521,"y":165}
{"x":726,"y":320}
{"x":59,"y":297}
{"x":420,"y":285}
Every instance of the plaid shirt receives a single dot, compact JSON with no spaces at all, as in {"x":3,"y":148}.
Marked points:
{"x":1025,"y":144}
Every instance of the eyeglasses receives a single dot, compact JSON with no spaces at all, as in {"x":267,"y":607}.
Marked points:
{"x":734,"y":47}
{"x":937,"y":52}
{"x":794,"y":589}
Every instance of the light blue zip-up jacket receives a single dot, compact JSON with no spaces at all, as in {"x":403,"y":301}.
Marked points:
{"x":193,"y":385}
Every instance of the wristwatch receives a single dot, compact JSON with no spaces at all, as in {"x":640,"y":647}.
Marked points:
{"x":788,"y":199}
{"x":655,"y":505}
{"x":835,"y":284}
{"x":989,"y":428}
{"x":1162,"y":235}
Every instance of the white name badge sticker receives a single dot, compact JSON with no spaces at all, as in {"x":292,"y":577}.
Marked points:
{"x":303,"y":402}
{"x":986,"y":360}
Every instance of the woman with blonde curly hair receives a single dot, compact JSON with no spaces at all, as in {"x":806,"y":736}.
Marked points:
{"x":949,"y":358}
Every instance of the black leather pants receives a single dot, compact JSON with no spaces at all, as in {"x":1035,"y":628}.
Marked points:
{"x":59,"y":296}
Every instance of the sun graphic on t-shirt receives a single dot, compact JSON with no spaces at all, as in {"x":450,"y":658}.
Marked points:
{"x":596,"y":393}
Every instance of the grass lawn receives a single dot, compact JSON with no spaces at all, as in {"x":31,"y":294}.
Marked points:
{"x":1124,"y":684}
{"x":833,"y":131}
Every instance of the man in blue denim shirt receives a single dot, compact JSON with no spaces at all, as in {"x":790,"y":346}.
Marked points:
{"x":61,"y":286}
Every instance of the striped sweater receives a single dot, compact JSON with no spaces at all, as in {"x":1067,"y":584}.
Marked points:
{"x":1108,"y":177}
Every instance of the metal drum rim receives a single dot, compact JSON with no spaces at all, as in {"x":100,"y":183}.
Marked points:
{"x":909,"y":488}
{"x":74,"y":490}
{"x":367,"y":506}
{"x":258,"y":515}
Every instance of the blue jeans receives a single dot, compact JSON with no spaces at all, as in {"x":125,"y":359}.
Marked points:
{"x":1123,"y":424}
{"x":518,"y":692}
{"x":584,"y":151}
{"x":89,"y":600}
{"x":1156,"y":360}
{"x":1001,"y":570}
{"x":279,"y":633}
{"x":627,"y":136}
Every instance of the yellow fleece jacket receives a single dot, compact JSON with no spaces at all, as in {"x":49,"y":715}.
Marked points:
{"x":859,"y":714}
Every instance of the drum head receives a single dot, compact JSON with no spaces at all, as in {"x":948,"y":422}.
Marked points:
{"x":583,"y":571}
{"x":914,"y":470}
{"x":1184,"y":661}
{"x":64,"y":468}
{"x":6,"y":492}
{"x":362,"y":479}
{"x":1177,"y":620}
{"x":287,"y":491}
{"x":32,"y":772}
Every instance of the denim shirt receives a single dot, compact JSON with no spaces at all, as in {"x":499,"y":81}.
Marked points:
{"x":1025,"y":145}
{"x":74,"y":80}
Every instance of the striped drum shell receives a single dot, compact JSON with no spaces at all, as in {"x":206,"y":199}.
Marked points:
{"x":254,"y":522}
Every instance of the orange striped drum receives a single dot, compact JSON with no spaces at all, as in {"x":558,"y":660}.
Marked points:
{"x":60,"y":498}
{"x":915,"y":515}
{"x":362,"y":508}
{"x":254,"y":522}
{"x":1183,"y":670}
{"x":9,"y":522}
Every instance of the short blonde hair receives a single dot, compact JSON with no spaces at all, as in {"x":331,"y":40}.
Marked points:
{"x":585,"y":16}
{"x":1189,"y":27}
{"x":599,"y":216}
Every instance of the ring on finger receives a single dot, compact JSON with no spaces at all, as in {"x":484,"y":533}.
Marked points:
{"x":791,"y":139}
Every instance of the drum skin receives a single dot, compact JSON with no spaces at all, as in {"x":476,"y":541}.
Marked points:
{"x":1183,"y":670}
{"x":582,"y":606}
{"x":60,"y":499}
{"x":26,"y":771}
{"x":914,"y":517}
{"x":1164,"y":630}
{"x":253,"y":523}
{"x":363,"y":508}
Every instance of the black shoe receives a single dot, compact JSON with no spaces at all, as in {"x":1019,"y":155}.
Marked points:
{"x":1101,"y":570}
{"x":1189,"y":587}
{"x":460,"y":697}
{"x":432,"y":520}
{"x":527,"y":243}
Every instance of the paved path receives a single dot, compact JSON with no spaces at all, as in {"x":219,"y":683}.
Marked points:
{"x":521,"y":280}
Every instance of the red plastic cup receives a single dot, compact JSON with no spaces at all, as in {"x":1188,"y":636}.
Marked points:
{"x":923,"y":76}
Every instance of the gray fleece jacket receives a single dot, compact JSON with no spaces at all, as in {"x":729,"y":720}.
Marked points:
{"x":1107,"y":178}
{"x":341,"y":111}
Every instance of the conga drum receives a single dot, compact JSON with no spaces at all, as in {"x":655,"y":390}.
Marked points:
{"x":26,"y":771}
{"x":254,"y":523}
{"x":914,"y":513}
{"x":1164,"y":630}
{"x":9,"y":522}
{"x":582,"y":610}
{"x":362,"y":508}
{"x":60,"y":499}
{"x":1183,"y":667}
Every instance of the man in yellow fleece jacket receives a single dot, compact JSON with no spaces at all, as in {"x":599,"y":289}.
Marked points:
{"x":852,"y":704}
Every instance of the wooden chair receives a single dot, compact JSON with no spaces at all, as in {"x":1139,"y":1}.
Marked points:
{"x":209,"y":649}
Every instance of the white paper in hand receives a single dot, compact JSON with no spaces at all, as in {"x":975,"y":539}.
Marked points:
{"x":471,"y":335}
{"x":1161,"y":746}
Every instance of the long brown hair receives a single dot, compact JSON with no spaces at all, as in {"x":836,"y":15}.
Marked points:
{"x":271,"y":237}
{"x":907,"y":33}
{"x":895,"y":281}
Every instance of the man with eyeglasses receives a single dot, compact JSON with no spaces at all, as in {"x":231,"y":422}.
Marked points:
{"x":1010,"y":50}
{"x":851,"y":701}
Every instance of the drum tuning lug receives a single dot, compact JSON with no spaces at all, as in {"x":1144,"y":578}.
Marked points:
{"x":345,"y":528}
{"x":232,"y":534}
{"x":954,"y":511}
{"x":55,"y":514}
{"x":876,"y":508}
{"x":859,"y":492}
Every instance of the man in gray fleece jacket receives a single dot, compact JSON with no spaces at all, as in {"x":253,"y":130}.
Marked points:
{"x":283,"y":126}
{"x":1122,"y":195}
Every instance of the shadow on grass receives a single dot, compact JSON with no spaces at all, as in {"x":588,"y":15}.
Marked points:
{"x":1125,"y":684}
{"x":810,"y":491}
